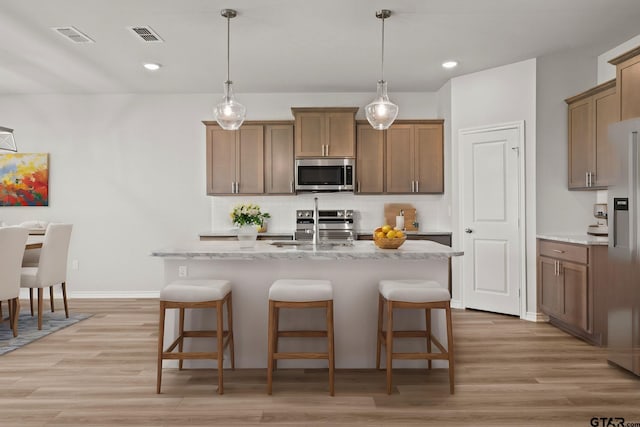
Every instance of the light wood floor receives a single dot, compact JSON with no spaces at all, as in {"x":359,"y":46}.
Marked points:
{"x":101,"y":372}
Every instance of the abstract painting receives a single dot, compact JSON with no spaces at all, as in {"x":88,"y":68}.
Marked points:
{"x":24,"y":179}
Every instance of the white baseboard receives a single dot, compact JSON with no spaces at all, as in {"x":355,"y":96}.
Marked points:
{"x":532,"y":316}
{"x":24,"y":294}
{"x":456,"y":303}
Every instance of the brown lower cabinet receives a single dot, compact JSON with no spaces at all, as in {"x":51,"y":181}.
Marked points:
{"x":571,"y":280}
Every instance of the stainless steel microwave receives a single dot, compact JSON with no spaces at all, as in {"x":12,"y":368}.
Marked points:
{"x":324,"y":174}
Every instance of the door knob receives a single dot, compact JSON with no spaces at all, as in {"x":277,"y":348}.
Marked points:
{"x":468,"y":230}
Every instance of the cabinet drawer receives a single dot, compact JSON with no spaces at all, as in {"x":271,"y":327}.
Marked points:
{"x":564,"y":251}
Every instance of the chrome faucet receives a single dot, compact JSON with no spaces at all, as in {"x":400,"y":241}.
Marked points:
{"x":315,"y":221}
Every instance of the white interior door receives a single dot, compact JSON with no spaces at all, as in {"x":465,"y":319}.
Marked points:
{"x":490,"y":220}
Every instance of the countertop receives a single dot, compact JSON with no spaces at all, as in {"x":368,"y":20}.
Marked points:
{"x":581,"y":239}
{"x":263,"y":249}
{"x":234,"y":232}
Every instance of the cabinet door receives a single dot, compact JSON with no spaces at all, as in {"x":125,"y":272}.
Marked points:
{"x":310,"y":134}
{"x":628,"y":80}
{"x":370,"y":160}
{"x":341,"y":135}
{"x":278,"y":156}
{"x":549,"y":290}
{"x":606,"y":113}
{"x":576,"y":302}
{"x":221,"y":160}
{"x":250,"y":163}
{"x":429,"y":158}
{"x":581,"y":143}
{"x":400,"y":159}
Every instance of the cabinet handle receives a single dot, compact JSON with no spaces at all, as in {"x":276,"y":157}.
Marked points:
{"x":586,"y":179}
{"x":233,"y":187}
{"x":558,"y":251}
{"x":556,"y":265}
{"x":412,"y":182}
{"x":291,"y":185}
{"x":417,"y":186}
{"x":327,"y":150}
{"x":237,"y":187}
{"x":358,"y":187}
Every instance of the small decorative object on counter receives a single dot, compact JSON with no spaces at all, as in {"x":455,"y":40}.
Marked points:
{"x":386,"y":237}
{"x":248,"y":218}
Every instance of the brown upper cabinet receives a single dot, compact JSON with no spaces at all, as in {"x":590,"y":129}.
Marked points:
{"x":370,"y":160}
{"x":406,"y":158}
{"x":590,"y":114}
{"x":628,"y":83}
{"x":415,"y":157}
{"x":278,"y":159}
{"x":236,"y":160}
{"x":325,"y":132}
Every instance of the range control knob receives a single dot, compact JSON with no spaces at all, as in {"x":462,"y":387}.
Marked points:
{"x":340,"y":213}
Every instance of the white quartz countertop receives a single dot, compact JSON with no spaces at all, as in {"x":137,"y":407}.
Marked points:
{"x":581,"y":239}
{"x":263,"y":249}
{"x":234,"y":232}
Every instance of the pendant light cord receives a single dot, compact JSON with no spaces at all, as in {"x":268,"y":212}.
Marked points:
{"x":228,"y":44}
{"x":382,"y":62}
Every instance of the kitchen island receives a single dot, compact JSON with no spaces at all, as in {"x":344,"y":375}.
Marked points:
{"x":354,"y":271}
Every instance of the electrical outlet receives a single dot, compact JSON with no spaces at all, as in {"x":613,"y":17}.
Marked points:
{"x":182,"y":271}
{"x":75,"y":265}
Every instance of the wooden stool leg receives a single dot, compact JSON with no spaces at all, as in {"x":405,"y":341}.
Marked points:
{"x":31,"y":300}
{"x":64,"y":299}
{"x":276,"y":326}
{"x":330,"y":348}
{"x":379,"y":334}
{"x":450,"y":346}
{"x":181,"y":335}
{"x":160,"y":346}
{"x":220,"y":348}
{"x":389,"y":343}
{"x":40,"y":303}
{"x":271,"y":339}
{"x":230,"y":329}
{"x":427,"y":315}
{"x":53,"y":309}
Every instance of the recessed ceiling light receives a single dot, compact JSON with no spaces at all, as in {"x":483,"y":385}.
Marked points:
{"x":449,"y":64}
{"x":152,"y":67}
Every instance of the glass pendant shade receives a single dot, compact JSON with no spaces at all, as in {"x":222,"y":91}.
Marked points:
{"x":381,"y":112}
{"x":229,"y":113}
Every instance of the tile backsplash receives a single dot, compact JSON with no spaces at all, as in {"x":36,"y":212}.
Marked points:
{"x":432,"y":211}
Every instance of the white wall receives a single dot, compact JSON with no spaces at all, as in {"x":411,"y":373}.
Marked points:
{"x":496,"y":96}
{"x":560,"y":76}
{"x":129,"y":172}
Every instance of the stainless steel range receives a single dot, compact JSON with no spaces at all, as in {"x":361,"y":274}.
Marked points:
{"x":332,"y":225}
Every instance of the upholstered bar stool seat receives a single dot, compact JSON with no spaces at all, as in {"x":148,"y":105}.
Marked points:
{"x":197,"y":294}
{"x":302,"y":293}
{"x":413,"y":294}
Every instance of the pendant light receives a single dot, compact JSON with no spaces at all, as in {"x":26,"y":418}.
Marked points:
{"x":229,"y":113}
{"x":381,"y":112}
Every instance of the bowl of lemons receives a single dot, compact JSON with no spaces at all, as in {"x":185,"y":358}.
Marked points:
{"x":387,"y":237}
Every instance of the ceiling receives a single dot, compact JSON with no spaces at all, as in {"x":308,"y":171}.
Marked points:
{"x":290,"y":45}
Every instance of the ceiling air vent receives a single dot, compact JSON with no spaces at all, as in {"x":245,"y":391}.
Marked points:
{"x":147,"y":34}
{"x":73,"y":34}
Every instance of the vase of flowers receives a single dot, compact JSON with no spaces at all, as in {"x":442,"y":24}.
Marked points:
{"x":248,"y":218}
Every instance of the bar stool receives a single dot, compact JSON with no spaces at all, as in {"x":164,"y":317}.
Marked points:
{"x":289,"y":293}
{"x":197,"y":293}
{"x":416,"y":294}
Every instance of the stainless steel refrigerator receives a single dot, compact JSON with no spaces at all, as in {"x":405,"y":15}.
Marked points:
{"x":623,"y":298}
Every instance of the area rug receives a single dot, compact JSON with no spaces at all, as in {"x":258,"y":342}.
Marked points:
{"x":28,"y":328}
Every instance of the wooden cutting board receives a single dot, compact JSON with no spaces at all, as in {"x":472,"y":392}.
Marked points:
{"x":391,"y":210}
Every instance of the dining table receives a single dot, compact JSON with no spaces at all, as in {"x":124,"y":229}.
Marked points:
{"x":34,"y":242}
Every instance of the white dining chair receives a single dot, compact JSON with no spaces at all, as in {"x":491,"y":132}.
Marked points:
{"x":31,"y":256}
{"x":51,"y":269}
{"x":12,"y":243}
